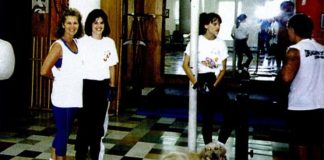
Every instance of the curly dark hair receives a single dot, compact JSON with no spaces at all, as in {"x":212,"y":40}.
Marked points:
{"x":93,"y":15}
{"x":206,"y":18}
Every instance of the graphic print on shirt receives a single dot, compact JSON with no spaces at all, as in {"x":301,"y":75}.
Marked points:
{"x":316,"y":54}
{"x":211,"y":63}
{"x":106,"y":55}
{"x":211,"y":60}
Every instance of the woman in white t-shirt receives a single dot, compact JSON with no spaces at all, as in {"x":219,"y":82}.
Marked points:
{"x":212,"y":58}
{"x":240,"y":34}
{"x":99,"y":58}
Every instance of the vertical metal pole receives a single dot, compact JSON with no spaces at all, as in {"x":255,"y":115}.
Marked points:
{"x":234,"y":53}
{"x":32,"y":95}
{"x":192,"y":122}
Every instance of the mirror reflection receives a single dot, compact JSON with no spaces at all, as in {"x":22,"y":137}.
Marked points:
{"x":260,"y":15}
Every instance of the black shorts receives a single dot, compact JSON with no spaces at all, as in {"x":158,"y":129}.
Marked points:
{"x":307,"y":127}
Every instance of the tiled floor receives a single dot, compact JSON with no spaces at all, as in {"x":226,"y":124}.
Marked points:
{"x":134,"y":135}
{"x":130,"y":136}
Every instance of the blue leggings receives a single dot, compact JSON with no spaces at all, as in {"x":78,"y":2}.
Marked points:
{"x":64,"y":118}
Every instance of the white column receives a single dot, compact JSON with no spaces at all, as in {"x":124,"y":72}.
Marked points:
{"x":84,"y":6}
{"x":184,"y":16}
{"x":192,"y":121}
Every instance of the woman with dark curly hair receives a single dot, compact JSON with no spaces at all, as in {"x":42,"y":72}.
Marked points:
{"x":99,"y":57}
{"x":212,"y":58}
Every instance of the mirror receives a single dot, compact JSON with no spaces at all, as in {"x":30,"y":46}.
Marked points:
{"x":177,"y":30}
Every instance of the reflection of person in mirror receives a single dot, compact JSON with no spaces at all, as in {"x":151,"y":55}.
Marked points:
{"x":287,"y":10}
{"x":240,"y":34}
{"x":7,"y":60}
{"x":212,"y":59}
{"x":39,"y":6}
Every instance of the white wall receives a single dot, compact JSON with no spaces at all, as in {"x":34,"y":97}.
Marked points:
{"x":84,"y":6}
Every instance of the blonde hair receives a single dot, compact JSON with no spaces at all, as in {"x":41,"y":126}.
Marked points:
{"x":175,"y":156}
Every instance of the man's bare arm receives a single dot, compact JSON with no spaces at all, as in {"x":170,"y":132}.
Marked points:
{"x":291,"y":66}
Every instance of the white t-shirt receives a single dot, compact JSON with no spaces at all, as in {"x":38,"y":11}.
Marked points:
{"x":211,"y":53}
{"x":307,"y":88}
{"x":67,"y":84}
{"x":7,"y":60}
{"x":242,"y":32}
{"x":97,"y":56}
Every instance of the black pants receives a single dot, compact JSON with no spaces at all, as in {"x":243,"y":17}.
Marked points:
{"x":241,"y":47}
{"x":209,"y":103}
{"x":91,"y":119}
